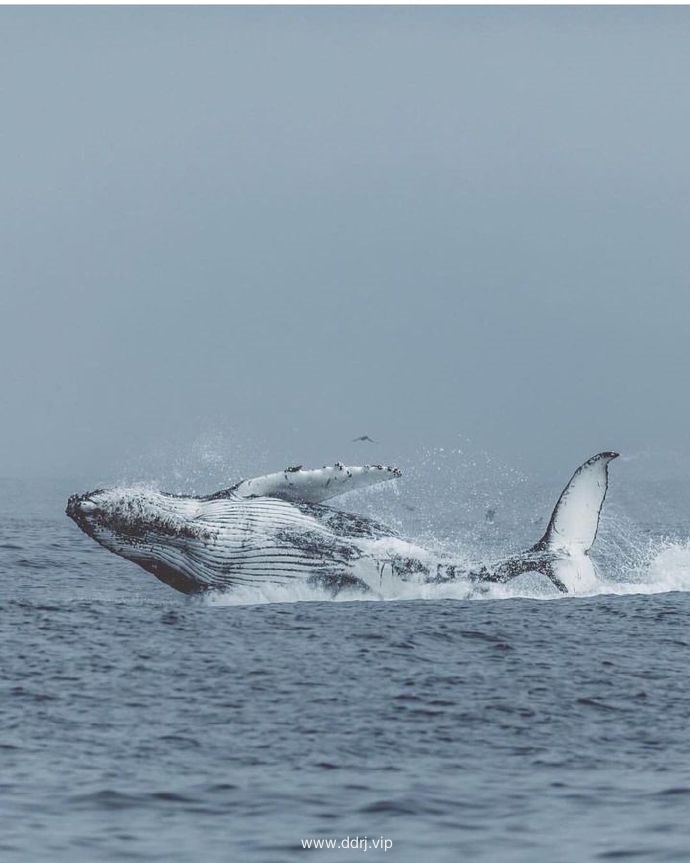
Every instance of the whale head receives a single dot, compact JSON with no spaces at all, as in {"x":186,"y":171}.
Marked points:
{"x":152,"y":529}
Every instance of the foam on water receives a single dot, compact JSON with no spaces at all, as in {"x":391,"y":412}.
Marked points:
{"x":651,"y":566}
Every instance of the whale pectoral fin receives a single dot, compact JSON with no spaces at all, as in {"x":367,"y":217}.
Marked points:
{"x":575,"y":519}
{"x":313,"y":486}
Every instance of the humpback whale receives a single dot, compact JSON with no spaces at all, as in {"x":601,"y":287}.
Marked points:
{"x":278,"y":528}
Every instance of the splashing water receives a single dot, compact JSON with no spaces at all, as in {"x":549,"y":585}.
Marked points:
{"x":440,"y":504}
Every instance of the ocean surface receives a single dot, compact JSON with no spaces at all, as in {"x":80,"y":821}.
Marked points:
{"x":141,"y":725}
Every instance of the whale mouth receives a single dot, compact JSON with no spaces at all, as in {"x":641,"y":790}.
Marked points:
{"x":81,"y":508}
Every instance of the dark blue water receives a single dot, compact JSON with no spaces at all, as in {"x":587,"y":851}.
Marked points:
{"x":139,"y":725}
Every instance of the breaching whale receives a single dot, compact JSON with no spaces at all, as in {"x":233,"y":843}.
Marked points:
{"x":276,"y":528}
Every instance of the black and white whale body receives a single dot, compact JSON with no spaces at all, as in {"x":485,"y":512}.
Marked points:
{"x":274,"y":529}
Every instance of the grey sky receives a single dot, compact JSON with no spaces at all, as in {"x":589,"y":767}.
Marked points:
{"x":305,"y":224}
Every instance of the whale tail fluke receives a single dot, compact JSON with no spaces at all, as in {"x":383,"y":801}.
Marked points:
{"x":562,"y":554}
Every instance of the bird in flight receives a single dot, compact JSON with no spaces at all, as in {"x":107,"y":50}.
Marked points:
{"x":364,"y":437}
